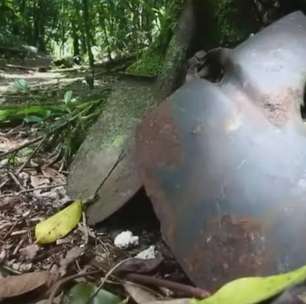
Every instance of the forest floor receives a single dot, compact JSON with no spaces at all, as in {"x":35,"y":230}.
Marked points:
{"x":121,"y":260}
{"x":51,"y":84}
{"x":32,"y":188}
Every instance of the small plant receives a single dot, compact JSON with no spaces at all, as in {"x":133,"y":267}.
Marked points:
{"x":148,"y":64}
{"x":21,"y":86}
{"x":68,"y":97}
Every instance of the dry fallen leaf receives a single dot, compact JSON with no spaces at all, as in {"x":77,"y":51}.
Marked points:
{"x":70,"y":257}
{"x":140,"y":294}
{"x":7,"y":144}
{"x":137,"y":265}
{"x":39,"y":180}
{"x":9,"y":202}
{"x":53,"y":174}
{"x":13,"y":286}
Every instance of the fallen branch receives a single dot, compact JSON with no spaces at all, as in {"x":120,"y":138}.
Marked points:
{"x":187,"y":290}
{"x":16,"y":149}
{"x":19,"y":67}
{"x":16,"y":180}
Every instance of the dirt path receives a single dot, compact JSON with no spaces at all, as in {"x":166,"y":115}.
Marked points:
{"x":49,"y":86}
{"x":8,"y":76}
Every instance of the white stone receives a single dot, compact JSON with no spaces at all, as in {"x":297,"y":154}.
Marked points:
{"x":126,"y":239}
{"x":2,"y":255}
{"x":147,"y":254}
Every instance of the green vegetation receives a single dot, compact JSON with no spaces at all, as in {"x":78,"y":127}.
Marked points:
{"x":92,"y":29}
{"x":229,"y":30}
{"x":138,"y":37}
{"x":148,"y":64}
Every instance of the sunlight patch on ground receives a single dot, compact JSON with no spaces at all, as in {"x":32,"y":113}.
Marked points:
{"x":35,"y":79}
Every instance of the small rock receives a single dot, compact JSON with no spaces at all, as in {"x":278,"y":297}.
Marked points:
{"x":16,"y":265}
{"x":126,"y":239}
{"x":147,"y":254}
{"x":2,"y":255}
{"x":3,"y":163}
{"x":25,"y":267}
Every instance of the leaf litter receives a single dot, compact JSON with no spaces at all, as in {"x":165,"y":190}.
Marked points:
{"x":27,"y":197}
{"x":32,"y":191}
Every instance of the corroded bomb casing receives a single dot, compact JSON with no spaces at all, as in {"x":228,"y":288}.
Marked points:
{"x":225,"y":163}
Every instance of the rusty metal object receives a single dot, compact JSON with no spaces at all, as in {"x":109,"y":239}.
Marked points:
{"x":225,"y":163}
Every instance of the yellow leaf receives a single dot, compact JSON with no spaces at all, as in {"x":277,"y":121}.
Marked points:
{"x":59,"y":225}
{"x":255,"y":289}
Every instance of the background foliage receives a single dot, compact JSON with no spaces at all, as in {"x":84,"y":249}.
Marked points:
{"x":92,"y":29}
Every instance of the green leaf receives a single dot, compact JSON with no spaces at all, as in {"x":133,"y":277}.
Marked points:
{"x":30,"y":113}
{"x":255,"y":289}
{"x":33,"y":119}
{"x":82,"y":292}
{"x":67,"y":97}
{"x":21,"y":85}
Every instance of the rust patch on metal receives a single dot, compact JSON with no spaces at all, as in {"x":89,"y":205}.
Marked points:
{"x":158,"y":145}
{"x":278,"y":108}
{"x":157,"y":138}
{"x":228,"y":249}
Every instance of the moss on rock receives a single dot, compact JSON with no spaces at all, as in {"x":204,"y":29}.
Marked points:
{"x":148,"y":64}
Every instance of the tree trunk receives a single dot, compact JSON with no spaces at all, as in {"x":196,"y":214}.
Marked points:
{"x":39,"y":26}
{"x":75,"y":37}
{"x":103,"y":27}
{"x":172,"y":74}
{"x":87,"y":32}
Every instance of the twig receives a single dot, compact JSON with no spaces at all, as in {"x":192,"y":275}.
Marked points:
{"x":10,"y":230}
{"x":188,"y":290}
{"x":16,"y":149}
{"x":15,"y":179}
{"x":31,"y":155}
{"x":85,"y":228}
{"x":19,"y":232}
{"x":21,"y":67}
{"x":33,"y":189}
{"x":18,"y":246}
{"x":53,"y":160}
{"x":4,"y":183}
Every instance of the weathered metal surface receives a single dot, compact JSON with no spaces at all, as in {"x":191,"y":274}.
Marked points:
{"x":225,"y":163}
{"x":104,"y":164}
